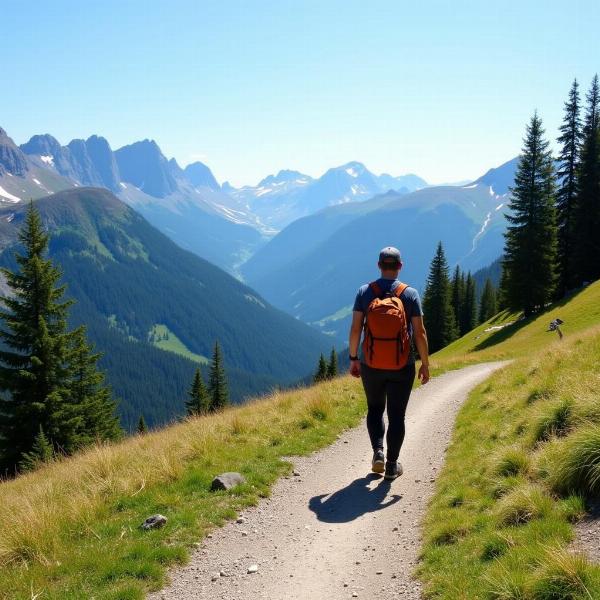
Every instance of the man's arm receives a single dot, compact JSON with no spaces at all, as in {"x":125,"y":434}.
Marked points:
{"x":354,"y":340}
{"x":420,"y":337}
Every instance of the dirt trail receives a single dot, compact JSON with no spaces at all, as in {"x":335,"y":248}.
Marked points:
{"x":335,"y":530}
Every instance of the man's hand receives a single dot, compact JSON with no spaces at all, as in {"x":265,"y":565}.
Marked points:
{"x":424,"y":374}
{"x":355,"y":368}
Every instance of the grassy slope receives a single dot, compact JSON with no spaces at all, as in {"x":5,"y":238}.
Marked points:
{"x":71,"y":529}
{"x":500,"y":521}
{"x":173,"y":344}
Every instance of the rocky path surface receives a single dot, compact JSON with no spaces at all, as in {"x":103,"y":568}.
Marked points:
{"x":333,"y":529}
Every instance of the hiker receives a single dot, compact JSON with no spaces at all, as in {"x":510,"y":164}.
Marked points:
{"x":555,"y":326}
{"x":390,"y":313}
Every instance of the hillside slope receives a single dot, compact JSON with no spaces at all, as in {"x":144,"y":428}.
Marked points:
{"x":508,"y":336}
{"x":127,"y":277}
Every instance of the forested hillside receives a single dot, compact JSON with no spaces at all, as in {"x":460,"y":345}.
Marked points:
{"x":127,"y":277}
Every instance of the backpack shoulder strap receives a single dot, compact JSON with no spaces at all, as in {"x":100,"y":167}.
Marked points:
{"x":376,"y":289}
{"x":400,"y":289}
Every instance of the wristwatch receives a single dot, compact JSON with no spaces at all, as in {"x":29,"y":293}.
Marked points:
{"x":353,"y":357}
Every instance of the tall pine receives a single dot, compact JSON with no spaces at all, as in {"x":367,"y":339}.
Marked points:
{"x":332,"y":366}
{"x":439,"y":314}
{"x":458,"y":294}
{"x":487,"y":303}
{"x":321,"y":373}
{"x":568,"y":161}
{"x":44,"y":370}
{"x":468,"y":313}
{"x":217,"y":385}
{"x":530,"y":239}
{"x":198,"y":402}
{"x":90,"y":394}
{"x":587,"y":202}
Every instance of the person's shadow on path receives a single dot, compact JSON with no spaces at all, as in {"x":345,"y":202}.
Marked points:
{"x":353,"y":501}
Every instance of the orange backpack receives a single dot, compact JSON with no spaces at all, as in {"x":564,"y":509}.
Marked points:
{"x":386,"y":343}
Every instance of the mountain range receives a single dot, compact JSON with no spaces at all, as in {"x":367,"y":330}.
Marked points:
{"x":223,"y":224}
{"x":313,"y":268}
{"x":136,"y":292}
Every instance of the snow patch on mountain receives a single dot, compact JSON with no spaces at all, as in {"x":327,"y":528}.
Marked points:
{"x":486,"y":222}
{"x":48,"y":159}
{"x":352,"y":172}
{"x":8,"y":196}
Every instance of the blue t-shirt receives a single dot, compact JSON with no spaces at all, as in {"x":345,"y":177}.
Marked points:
{"x":410,"y":299}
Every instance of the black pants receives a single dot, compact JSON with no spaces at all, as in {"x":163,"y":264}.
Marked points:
{"x":395,"y":386}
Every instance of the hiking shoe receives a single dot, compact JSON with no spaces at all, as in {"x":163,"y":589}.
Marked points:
{"x":377,"y":466}
{"x":392,"y":470}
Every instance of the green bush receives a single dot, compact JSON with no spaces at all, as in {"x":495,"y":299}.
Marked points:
{"x":575,"y":466}
{"x":513,"y":462}
{"x":555,"y":422}
{"x":523,"y":504}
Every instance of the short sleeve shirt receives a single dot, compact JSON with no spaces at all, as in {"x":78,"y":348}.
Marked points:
{"x":410,"y":299}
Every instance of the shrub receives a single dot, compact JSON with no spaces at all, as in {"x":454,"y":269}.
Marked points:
{"x":563,"y":575}
{"x":514,"y":462}
{"x":555,"y":422}
{"x":523,"y":504}
{"x":576,"y":468}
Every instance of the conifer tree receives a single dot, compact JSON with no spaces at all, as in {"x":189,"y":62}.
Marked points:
{"x":321,"y":373}
{"x":570,"y":142}
{"x":41,"y":452}
{"x":90,"y":394}
{"x":458,"y":293}
{"x":487,"y":305}
{"x":34,"y":369}
{"x":587,"y":203}
{"x":198,"y":402}
{"x":332,"y":366}
{"x":217,"y":386}
{"x":530,"y":239}
{"x":141,"y":426}
{"x":439,"y":314}
{"x":468,"y":316}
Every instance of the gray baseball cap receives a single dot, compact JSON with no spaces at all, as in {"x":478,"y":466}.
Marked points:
{"x":389,"y":254}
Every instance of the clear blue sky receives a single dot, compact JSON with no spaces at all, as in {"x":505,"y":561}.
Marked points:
{"x":439,"y":88}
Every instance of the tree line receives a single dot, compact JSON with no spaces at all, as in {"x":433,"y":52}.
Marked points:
{"x":54,"y":397}
{"x":326,"y":369}
{"x":552,"y":243}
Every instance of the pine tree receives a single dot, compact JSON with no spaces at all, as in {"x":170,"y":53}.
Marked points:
{"x":530,"y":239}
{"x":198,"y":402}
{"x":570,"y":142}
{"x":468,"y":316}
{"x":89,"y":393}
{"x":41,"y":452}
{"x":34,"y":368}
{"x":487,"y":305}
{"x":458,"y":293}
{"x":439,"y":314}
{"x":332,"y":366}
{"x":217,"y":386}
{"x":141,"y":426}
{"x":321,"y":373}
{"x":586,"y":252}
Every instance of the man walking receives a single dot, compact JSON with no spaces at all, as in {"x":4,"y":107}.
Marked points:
{"x":390,"y":313}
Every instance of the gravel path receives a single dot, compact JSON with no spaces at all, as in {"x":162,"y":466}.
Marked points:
{"x":333,"y":529}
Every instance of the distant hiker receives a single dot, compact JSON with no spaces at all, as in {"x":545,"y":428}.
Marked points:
{"x":555,"y":326}
{"x":390,"y":313}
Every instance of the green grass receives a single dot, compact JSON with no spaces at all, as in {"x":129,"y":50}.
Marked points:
{"x":71,"y":529}
{"x":579,"y":312}
{"x":524,"y":454}
{"x":162,"y":337}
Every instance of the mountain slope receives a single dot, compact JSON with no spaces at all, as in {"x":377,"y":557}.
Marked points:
{"x":128,"y":277}
{"x":318,"y":286}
